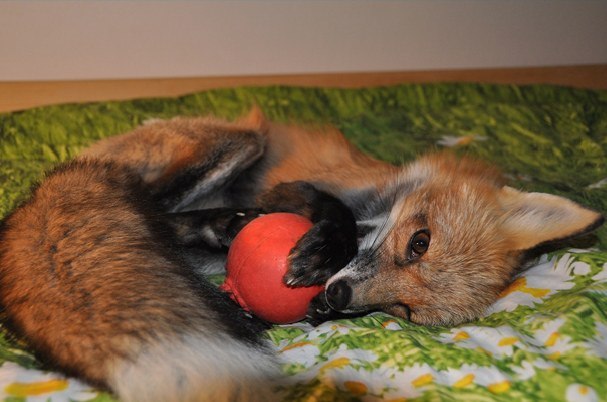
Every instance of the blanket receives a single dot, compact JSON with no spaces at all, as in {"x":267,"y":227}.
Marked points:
{"x":544,"y":339}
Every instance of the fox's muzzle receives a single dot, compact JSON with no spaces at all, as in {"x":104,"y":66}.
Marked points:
{"x":348,"y":290}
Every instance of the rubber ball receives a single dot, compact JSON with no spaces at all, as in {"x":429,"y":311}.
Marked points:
{"x":257,"y":262}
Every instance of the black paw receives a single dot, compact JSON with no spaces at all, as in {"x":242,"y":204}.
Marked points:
{"x":329,"y":245}
{"x":229,"y":223}
{"x":319,"y":310}
{"x":320,"y":253}
{"x":215,"y":228}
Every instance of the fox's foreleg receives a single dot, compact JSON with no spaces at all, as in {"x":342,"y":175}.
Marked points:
{"x":210,"y":228}
{"x":329,"y":245}
{"x":325,"y":249}
{"x":205,"y":235}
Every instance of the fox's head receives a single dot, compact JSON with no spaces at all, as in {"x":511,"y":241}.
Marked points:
{"x":444,"y":238}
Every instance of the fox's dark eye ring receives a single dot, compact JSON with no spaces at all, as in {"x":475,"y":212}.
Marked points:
{"x":419,"y":243}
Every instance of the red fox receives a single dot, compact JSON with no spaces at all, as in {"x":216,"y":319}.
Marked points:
{"x":103,"y":269}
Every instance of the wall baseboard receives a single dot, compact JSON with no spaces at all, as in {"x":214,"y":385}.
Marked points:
{"x":21,"y":95}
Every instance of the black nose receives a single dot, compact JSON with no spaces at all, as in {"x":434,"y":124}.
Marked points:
{"x":338,"y":295}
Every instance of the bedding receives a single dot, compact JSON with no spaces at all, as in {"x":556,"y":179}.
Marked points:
{"x":544,"y":339}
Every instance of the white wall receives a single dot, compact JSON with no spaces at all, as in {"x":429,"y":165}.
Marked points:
{"x":125,"y":39}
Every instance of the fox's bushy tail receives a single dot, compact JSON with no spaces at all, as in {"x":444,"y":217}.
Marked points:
{"x":193,"y":368}
{"x":92,"y":279}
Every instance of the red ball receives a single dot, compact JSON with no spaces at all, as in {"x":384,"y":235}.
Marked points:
{"x":257,"y":262}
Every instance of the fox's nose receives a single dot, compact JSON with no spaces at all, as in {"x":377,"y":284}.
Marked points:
{"x":339,"y":295}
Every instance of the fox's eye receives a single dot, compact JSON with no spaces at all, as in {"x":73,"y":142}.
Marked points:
{"x":419,"y":244}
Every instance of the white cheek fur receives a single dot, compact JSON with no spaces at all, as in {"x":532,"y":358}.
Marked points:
{"x":368,"y":247}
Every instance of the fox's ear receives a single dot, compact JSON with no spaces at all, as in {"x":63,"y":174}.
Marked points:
{"x":531,"y":219}
{"x":255,"y":119}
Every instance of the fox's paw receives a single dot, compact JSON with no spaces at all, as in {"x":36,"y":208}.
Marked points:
{"x":319,"y":311}
{"x":319,"y":254}
{"x":329,"y":245}
{"x":214,"y":228}
{"x":229,"y":223}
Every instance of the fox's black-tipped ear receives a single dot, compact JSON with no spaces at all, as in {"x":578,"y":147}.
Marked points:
{"x":532,"y":219}
{"x":255,"y":119}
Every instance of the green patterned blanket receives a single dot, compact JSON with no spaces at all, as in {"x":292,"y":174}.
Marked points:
{"x":544,"y":340}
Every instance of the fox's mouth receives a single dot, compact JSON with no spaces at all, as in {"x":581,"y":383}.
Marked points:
{"x":356,"y":310}
{"x":400,"y":310}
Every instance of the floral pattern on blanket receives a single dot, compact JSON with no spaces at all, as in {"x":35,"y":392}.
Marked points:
{"x":532,"y":345}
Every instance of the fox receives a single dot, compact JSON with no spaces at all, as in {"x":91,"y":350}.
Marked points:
{"x":104,"y":268}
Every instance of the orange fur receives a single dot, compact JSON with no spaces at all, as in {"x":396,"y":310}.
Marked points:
{"x":321,"y":155}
